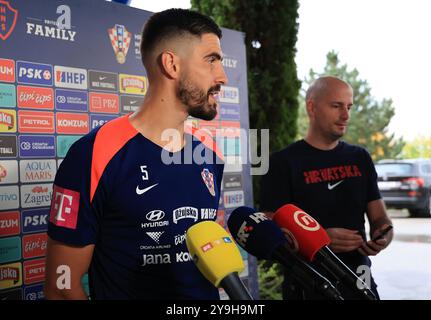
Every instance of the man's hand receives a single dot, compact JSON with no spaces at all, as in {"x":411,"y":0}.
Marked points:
{"x":372,"y":248}
{"x":344,"y":240}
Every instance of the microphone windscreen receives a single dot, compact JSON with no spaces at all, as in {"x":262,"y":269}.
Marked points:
{"x":254,"y":232}
{"x":213,"y":251}
{"x":308,"y":234}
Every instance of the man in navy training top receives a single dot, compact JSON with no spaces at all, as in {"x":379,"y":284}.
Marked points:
{"x":331,"y":180}
{"x":119,"y":212}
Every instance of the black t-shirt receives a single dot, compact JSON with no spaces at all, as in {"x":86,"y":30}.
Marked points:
{"x":333,"y":186}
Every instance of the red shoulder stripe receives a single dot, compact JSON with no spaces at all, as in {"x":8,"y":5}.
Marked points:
{"x":110,"y":138}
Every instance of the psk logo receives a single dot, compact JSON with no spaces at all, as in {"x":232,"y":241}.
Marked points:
{"x":208,"y":179}
{"x":120,"y":41}
{"x":8,"y":17}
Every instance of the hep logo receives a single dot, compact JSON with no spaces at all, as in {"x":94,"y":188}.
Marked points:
{"x":305,"y":221}
{"x":64,"y":208}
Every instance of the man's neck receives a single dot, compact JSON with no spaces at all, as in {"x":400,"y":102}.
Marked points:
{"x":321,"y":143}
{"x":157,"y":114}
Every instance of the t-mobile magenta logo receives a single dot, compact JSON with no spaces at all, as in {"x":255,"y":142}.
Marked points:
{"x":64,"y":208}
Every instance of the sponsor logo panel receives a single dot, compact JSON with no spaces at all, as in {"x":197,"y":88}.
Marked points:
{"x":36,"y":195}
{"x":104,"y":102}
{"x":209,"y":126}
{"x":35,"y":220}
{"x":229,"y":95}
{"x":233,"y":164}
{"x":7,"y":69}
{"x":11,"y":295}
{"x":98,"y":120}
{"x":36,"y":146}
{"x":230,"y":129}
{"x":35,"y":98}
{"x":9,"y":223}
{"x":73,"y":78}
{"x":36,"y":121}
{"x":39,"y":170}
{"x":230,"y":112}
{"x":71,"y":100}
{"x":233,"y":199}
{"x":72,"y":123}
{"x":34,"y":271}
{"x":8,"y":171}
{"x":34,"y":73}
{"x":7,"y":120}
{"x":133,"y":84}
{"x":9,"y":197}
{"x":64,"y":143}
{"x":10,"y":249}
{"x":7,"y":96}
{"x":10,"y":275}
{"x":103,"y":81}
{"x":130,"y":103}
{"x":34,"y":292}
{"x":232,"y":181}
{"x":8,"y":148}
{"x":34,"y":245}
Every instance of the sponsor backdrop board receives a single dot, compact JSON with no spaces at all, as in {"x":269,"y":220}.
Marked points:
{"x":67,"y":67}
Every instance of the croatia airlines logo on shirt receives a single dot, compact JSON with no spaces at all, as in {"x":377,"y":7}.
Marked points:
{"x":208,"y":179}
{"x":64,"y":208}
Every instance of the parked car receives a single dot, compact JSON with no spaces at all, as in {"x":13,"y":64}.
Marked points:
{"x":406,"y":184}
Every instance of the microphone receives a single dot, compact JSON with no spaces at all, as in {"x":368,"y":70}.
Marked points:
{"x":217,"y":257}
{"x":262,"y":238}
{"x":311,"y":241}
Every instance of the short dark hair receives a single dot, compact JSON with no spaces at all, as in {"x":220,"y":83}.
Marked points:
{"x":175,"y":22}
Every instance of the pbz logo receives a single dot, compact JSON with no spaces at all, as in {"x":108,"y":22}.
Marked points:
{"x":34,"y":73}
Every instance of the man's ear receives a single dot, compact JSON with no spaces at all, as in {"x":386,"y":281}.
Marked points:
{"x":169,"y":63}
{"x":310,"y":108}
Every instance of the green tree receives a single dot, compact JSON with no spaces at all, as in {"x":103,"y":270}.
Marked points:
{"x":369,"y":119}
{"x":419,"y":147}
{"x":270,"y":28}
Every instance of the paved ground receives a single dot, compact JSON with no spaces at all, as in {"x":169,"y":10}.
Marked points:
{"x":403,"y":270}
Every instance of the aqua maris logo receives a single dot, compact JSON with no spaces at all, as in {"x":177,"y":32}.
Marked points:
{"x":60,"y":29}
{"x":8,"y":18}
{"x":185,"y":213}
{"x":120,"y":41}
{"x":208,"y":179}
{"x":37,"y":170}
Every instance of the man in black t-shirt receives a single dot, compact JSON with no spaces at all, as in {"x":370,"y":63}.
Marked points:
{"x":331,"y":180}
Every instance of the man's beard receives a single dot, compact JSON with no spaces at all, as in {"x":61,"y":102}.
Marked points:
{"x":197,"y":100}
